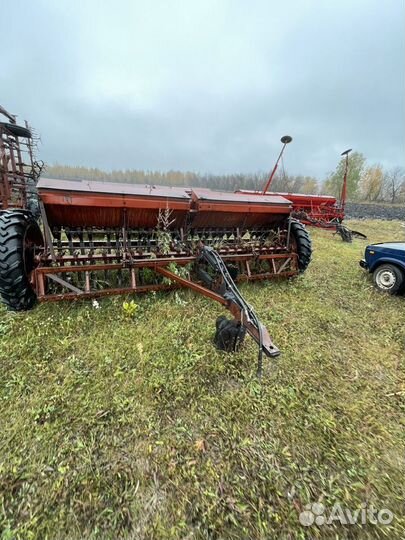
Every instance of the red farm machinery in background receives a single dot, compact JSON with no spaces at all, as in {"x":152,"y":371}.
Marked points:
{"x":322,"y":211}
{"x":79,"y":239}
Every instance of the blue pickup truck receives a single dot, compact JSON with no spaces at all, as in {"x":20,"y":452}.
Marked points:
{"x":386,"y":261}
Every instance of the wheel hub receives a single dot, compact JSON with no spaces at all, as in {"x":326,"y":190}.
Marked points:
{"x":386,"y":279}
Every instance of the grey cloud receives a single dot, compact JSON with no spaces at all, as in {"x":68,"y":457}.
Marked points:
{"x":208,"y":86}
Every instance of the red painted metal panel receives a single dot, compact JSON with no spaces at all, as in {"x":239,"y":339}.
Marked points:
{"x":320,"y":210}
{"x":111,"y":217}
{"x":113,"y":188}
{"x":98,"y":204}
{"x":95,"y":204}
{"x":295,"y":197}
{"x":221,"y":209}
{"x":240,"y":198}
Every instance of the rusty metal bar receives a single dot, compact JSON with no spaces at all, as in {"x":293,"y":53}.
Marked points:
{"x":259,"y":334}
{"x":64,"y":283}
{"x":11,"y":117}
{"x":133,"y":278}
{"x":107,"y":292}
{"x":192,"y":285}
{"x":151,"y":263}
{"x":146,"y":263}
{"x":283,"y":265}
{"x":47,"y":231}
{"x":254,"y":331}
{"x":87,"y":281}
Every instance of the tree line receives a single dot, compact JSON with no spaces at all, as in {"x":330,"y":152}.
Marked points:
{"x":364,"y":182}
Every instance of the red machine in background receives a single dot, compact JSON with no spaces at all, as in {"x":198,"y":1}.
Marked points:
{"x":319,"y":210}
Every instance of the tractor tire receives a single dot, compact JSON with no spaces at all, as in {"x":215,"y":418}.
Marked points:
{"x":389,"y":278}
{"x":303,"y":244}
{"x":19,"y":236}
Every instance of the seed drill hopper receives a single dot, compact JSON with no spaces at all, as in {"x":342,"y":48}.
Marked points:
{"x":64,"y":239}
{"x":323,"y":211}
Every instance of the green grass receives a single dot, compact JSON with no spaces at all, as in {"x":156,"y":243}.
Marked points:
{"x":119,"y":427}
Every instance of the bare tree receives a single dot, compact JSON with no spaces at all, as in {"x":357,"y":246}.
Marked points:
{"x":394,"y":180}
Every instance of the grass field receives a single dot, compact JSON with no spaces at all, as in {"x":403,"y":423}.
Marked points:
{"x":136,"y":427}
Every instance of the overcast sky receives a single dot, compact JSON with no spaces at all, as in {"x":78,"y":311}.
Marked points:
{"x":207,"y":85}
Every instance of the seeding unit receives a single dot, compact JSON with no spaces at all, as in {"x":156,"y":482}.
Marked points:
{"x":99,"y":239}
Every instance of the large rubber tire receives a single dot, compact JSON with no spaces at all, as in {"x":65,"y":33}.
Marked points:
{"x":389,"y":278}
{"x":19,"y":236}
{"x":303,"y":243}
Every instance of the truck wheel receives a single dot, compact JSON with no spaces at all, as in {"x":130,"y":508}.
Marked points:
{"x":389,"y":278}
{"x":20,"y":238}
{"x":302,"y":240}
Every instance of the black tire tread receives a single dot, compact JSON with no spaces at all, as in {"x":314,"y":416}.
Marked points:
{"x":15,"y":288}
{"x":304,"y":244}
